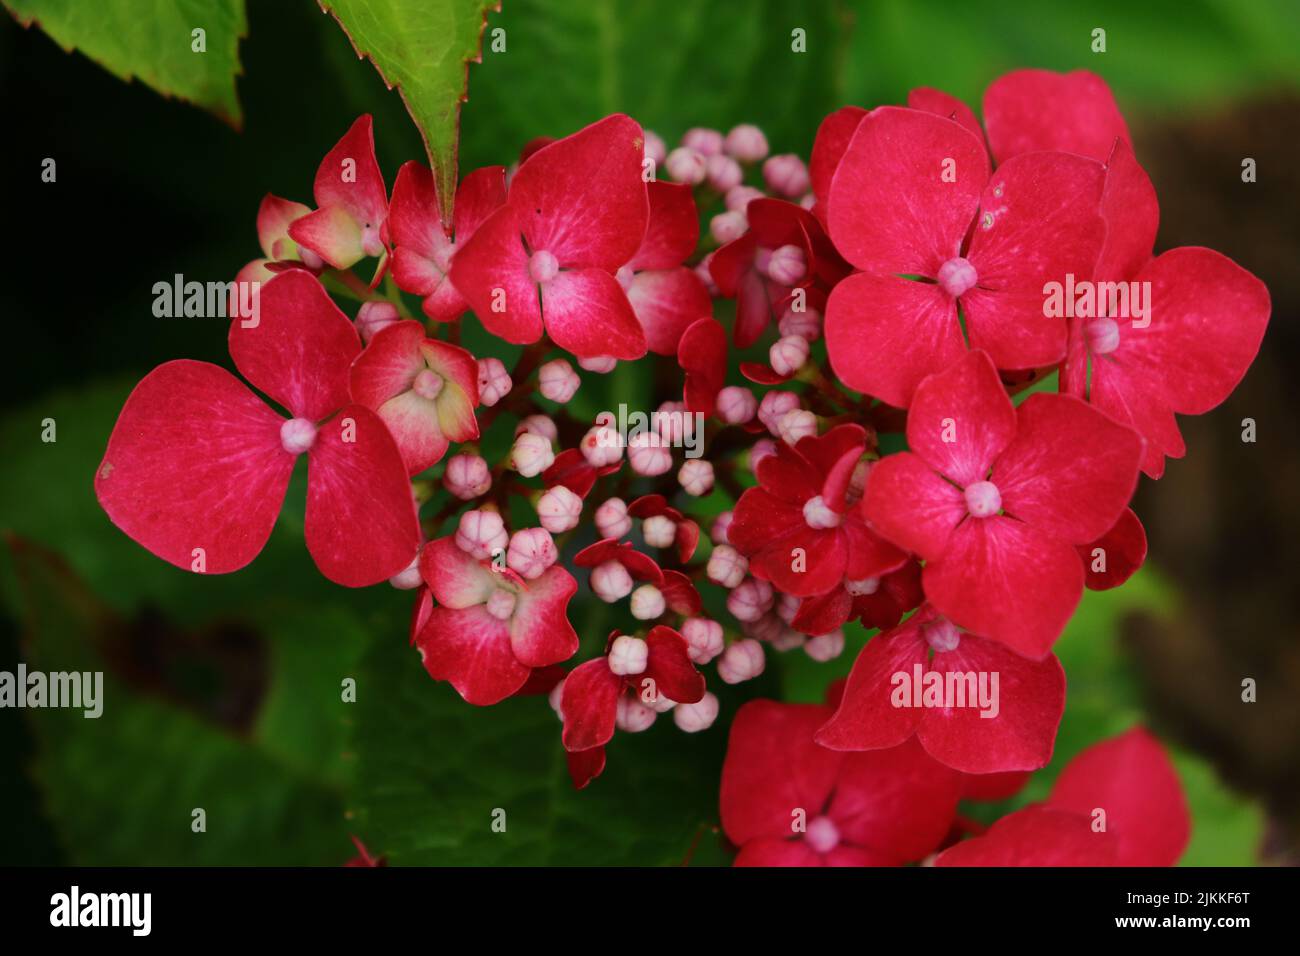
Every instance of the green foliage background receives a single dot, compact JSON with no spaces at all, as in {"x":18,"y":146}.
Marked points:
{"x":149,"y":187}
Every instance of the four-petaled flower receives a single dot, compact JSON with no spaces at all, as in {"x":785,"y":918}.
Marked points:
{"x":995,"y":498}
{"x":197,"y":466}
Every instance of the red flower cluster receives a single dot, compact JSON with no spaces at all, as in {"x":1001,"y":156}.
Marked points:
{"x":917,"y":273}
{"x":788,"y":802}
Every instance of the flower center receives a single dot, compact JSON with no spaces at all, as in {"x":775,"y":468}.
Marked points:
{"x":983,"y":499}
{"x":956,"y":276}
{"x":625,"y":275}
{"x":501,"y":604}
{"x":297,"y":435}
{"x":1102,"y":336}
{"x":823,"y":835}
{"x":427,"y":384}
{"x":819,"y":514}
{"x":543,"y":266}
{"x":941,"y":634}
{"x":863,"y":587}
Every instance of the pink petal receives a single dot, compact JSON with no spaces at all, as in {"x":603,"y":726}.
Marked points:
{"x":274,"y":216}
{"x":961,"y":419}
{"x":481,"y":193}
{"x":827,"y":451}
{"x":491,"y":272}
{"x":1208,"y":316}
{"x":1124,"y":548}
{"x":419,"y":275}
{"x":413,"y":423}
{"x":540,"y":632}
{"x":770,"y":852}
{"x":869,"y":555}
{"x":1029,"y":701}
{"x":585,"y":766}
{"x":582,"y":198}
{"x":755,"y":308}
{"x":571,"y":469}
{"x":1035,"y":836}
{"x":588,"y":314}
{"x":332,"y":234}
{"x":909,"y":504}
{"x":773,"y":768}
{"x":300,"y":350}
{"x":788,"y":475}
{"x":195,"y":461}
{"x":1125,"y":394}
{"x":666,"y":303}
{"x":1005,"y":580}
{"x":833,"y":137}
{"x":1132,"y":214}
{"x":641,"y":566}
{"x":885,"y":333}
{"x":899,"y":803}
{"x":589,"y":703}
{"x":680,"y":594}
{"x":891,"y":210}
{"x":702,"y":354}
{"x":456,"y":579}
{"x":1039,"y":221}
{"x":673,"y":229}
{"x":761,"y":519}
{"x":382,"y":377}
{"x":823,"y":613}
{"x":1070,"y":471}
{"x":1028,"y":110}
{"x":1132,"y":779}
{"x":361,"y":525}
{"x":414,"y":221}
{"x":349,"y":176}
{"x":731,"y":262}
{"x":669,"y":666}
{"x":943,"y":104}
{"x":471,"y":649}
{"x":822,"y":555}
{"x":899,"y":592}
{"x":867,"y":718}
{"x":388,"y":365}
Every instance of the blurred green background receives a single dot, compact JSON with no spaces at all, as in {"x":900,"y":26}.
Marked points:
{"x":224,"y":693}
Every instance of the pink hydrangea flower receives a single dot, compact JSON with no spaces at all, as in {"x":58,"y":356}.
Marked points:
{"x":1018,"y":736}
{"x":423,"y":251}
{"x":995,"y":498}
{"x":797,"y":527}
{"x":197,"y":466}
{"x":987,"y":242}
{"x":424,"y":389}
{"x":351,"y":203}
{"x":575,"y":213}
{"x":788,"y":802}
{"x":491,"y":627}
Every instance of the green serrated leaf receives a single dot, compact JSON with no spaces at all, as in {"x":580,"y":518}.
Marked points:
{"x":153,"y":41}
{"x":424,"y":50}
